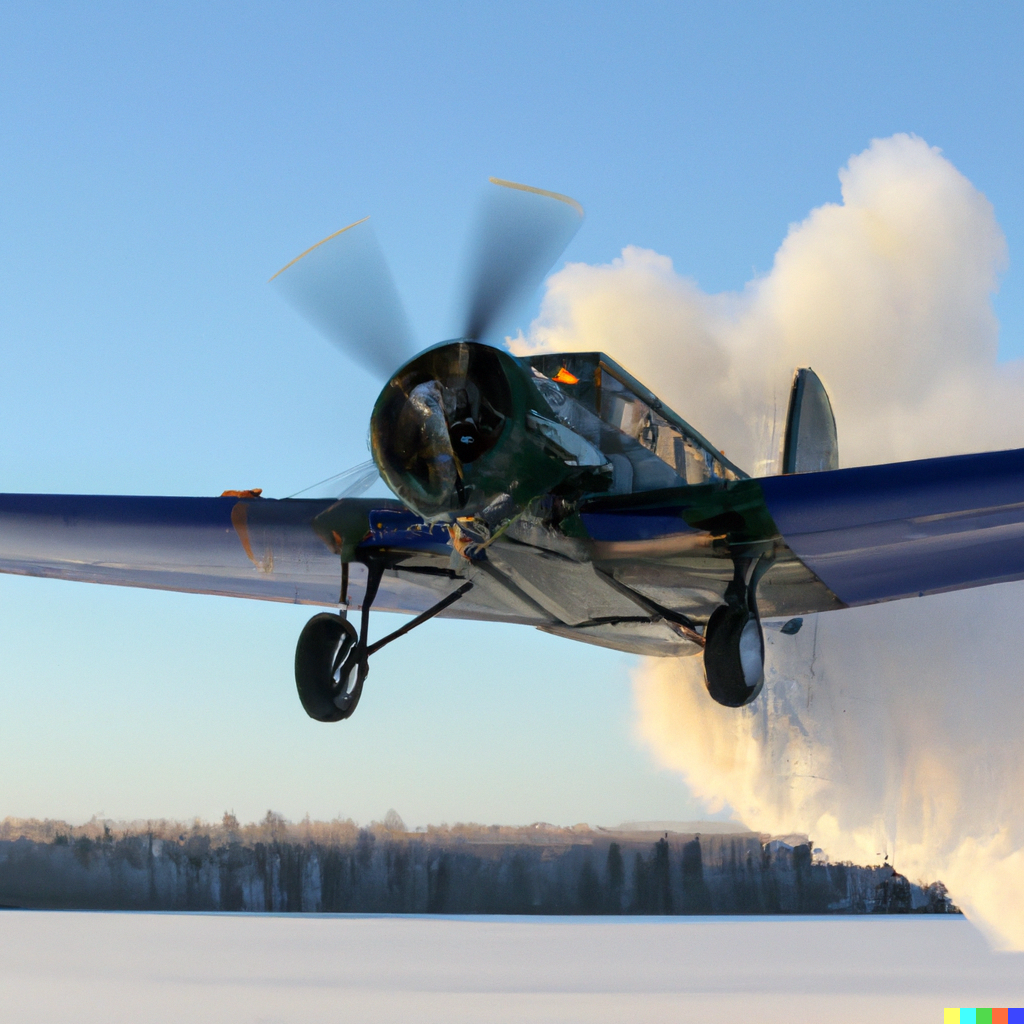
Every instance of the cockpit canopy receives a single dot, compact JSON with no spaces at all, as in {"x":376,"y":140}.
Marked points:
{"x":648,"y":444}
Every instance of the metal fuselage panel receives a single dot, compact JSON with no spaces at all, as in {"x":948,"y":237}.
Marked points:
{"x":678,"y":548}
{"x":694,"y":583}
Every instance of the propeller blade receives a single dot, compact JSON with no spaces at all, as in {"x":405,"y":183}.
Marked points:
{"x":350,"y":484}
{"x":521,"y":232}
{"x":343,"y":287}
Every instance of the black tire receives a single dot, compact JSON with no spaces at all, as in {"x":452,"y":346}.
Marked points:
{"x":327,"y":672}
{"x":733,"y":656}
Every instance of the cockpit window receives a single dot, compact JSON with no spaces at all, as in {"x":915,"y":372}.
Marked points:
{"x":595,"y":384}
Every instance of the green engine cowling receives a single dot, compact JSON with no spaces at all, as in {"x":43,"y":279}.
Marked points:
{"x":462,"y":434}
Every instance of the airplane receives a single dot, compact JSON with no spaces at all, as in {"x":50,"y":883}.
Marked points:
{"x":551,"y":490}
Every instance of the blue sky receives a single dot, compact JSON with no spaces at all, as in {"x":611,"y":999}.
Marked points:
{"x":158,"y":163}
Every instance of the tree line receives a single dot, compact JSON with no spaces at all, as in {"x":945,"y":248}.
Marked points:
{"x":338,"y":867}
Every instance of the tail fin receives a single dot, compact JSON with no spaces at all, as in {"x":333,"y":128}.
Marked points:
{"x":810,"y":445}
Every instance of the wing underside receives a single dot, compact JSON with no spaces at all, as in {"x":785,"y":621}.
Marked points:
{"x":641,"y":568}
{"x":261,"y":549}
{"x":314,"y":552}
{"x":839,"y":538}
{"x":880,"y":533}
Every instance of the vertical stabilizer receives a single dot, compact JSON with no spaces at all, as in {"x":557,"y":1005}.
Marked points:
{"x":810,"y":444}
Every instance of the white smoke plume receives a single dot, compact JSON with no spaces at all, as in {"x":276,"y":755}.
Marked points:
{"x":894,"y":730}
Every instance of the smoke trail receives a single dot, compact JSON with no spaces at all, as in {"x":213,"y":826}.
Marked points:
{"x":885,"y":731}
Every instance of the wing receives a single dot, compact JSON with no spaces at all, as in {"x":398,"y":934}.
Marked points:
{"x":878,"y":533}
{"x":844,"y":537}
{"x":314,"y":551}
{"x":294,"y":551}
{"x":839,"y":538}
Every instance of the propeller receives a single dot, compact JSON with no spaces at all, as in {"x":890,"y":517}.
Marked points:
{"x":342,"y":285}
{"x":520,"y":233}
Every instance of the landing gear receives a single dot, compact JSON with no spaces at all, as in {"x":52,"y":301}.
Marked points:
{"x":327,"y":667}
{"x":733,"y":641}
{"x":332,"y":660}
{"x":733,"y":656}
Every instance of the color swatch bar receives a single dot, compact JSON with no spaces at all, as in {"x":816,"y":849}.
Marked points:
{"x":983,"y":1015}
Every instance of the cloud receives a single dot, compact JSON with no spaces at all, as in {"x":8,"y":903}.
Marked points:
{"x":891,"y":730}
{"x":887,"y":296}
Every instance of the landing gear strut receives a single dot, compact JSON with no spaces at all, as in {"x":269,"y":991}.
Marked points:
{"x":733,"y":641}
{"x":332,"y":661}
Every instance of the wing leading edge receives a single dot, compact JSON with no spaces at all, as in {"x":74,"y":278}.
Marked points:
{"x":292,"y":550}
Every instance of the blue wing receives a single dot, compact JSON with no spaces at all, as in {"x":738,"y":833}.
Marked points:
{"x":844,"y":537}
{"x":837,"y":538}
{"x":292,"y":550}
{"x":878,"y":533}
{"x":198,"y":545}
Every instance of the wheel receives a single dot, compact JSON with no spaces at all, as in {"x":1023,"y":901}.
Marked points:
{"x":327,"y":672}
{"x":733,"y":656}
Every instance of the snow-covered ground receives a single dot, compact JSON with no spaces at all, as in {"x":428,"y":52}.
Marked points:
{"x":86,"y":967}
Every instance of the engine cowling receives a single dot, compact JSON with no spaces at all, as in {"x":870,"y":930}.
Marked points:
{"x":454,"y":435}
